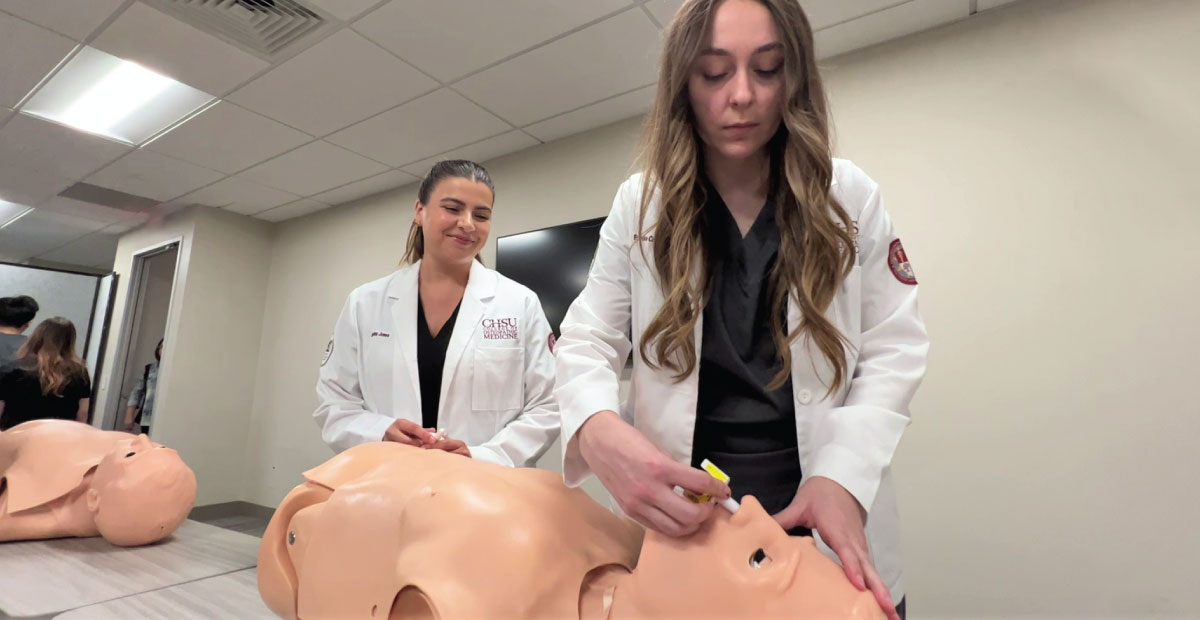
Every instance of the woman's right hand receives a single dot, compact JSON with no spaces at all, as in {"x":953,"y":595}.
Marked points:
{"x":409,"y":433}
{"x":642,"y":479}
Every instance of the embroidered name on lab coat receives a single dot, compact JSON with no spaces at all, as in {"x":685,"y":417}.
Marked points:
{"x":500,"y":329}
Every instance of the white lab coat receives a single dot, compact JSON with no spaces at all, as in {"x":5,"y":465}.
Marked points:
{"x":849,"y":437}
{"x":497,"y":383}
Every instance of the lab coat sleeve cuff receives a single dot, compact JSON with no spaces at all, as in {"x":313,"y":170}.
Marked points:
{"x":365,"y":428}
{"x":581,"y":405}
{"x":856,"y":474}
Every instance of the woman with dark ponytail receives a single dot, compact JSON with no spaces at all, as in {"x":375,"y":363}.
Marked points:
{"x":444,"y":353}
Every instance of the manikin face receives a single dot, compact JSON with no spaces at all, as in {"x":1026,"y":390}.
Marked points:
{"x":141,"y":492}
{"x":740,"y":565}
{"x":736,"y":84}
{"x":456,"y":222}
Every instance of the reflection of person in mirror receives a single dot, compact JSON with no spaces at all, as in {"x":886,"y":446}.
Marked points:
{"x":16,"y":315}
{"x":47,"y":379}
{"x":140,"y":408}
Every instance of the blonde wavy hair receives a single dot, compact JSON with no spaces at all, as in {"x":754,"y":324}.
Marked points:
{"x":51,"y":347}
{"x":816,"y":249}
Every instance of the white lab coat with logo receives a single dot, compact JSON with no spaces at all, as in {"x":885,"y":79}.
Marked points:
{"x":497,"y":383}
{"x":849,"y":437}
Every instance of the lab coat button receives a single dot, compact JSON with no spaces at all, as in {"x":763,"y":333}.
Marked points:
{"x":804,"y":396}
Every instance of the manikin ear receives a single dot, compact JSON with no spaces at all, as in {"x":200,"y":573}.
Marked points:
{"x":93,"y":500}
{"x":419,"y":213}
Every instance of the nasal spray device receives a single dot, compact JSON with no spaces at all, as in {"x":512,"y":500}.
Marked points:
{"x":728,"y":503}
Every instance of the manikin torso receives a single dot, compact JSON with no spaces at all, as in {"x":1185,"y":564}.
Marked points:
{"x":385,"y":530}
{"x":64,"y":478}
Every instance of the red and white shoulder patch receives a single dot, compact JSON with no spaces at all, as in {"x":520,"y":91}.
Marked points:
{"x":898,"y":262}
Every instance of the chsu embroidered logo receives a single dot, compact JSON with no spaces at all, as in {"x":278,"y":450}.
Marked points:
{"x":500,"y":329}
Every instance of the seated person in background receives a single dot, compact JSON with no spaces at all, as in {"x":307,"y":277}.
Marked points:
{"x":388,"y":528}
{"x":140,"y":408}
{"x":61,"y":478}
{"x":47,"y":379}
{"x":16,"y":313}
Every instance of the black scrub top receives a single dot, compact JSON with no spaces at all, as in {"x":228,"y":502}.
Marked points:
{"x":741,"y":426}
{"x":431,"y":359}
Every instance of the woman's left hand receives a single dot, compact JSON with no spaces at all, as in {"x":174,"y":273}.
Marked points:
{"x":449,"y":445}
{"x":827,"y":507}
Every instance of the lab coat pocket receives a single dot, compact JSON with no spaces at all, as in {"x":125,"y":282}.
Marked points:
{"x":499,"y":381}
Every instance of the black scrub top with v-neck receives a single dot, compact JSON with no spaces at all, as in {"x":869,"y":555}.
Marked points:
{"x":431,"y":359}
{"x":741,"y":426}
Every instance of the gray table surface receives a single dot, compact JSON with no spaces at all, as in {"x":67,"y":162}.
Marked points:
{"x":50,"y":576}
{"x":232,"y":595}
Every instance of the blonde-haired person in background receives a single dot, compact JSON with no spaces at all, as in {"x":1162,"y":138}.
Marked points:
{"x":772,"y":308}
{"x":47,"y":379}
{"x":444,"y":353}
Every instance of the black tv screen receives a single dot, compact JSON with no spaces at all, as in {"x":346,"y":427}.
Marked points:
{"x":553,"y":262}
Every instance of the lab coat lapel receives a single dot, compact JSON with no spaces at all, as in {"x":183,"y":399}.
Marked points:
{"x":481,"y":287}
{"x":402,"y":293}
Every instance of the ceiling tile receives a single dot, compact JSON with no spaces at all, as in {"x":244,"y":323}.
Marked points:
{"x":434,"y":123}
{"x":228,"y":138}
{"x":664,"y":10}
{"x":295,"y":209}
{"x":4,"y":114}
{"x":238,"y":195}
{"x":366,"y":187}
{"x":42,"y":231}
{"x":120,"y":228}
{"x":335,"y":83}
{"x":313,"y":168}
{"x":595,"y":115}
{"x":148,"y":174}
{"x":823,"y":13}
{"x":985,"y":5}
{"x":619,"y":54}
{"x":177,"y":50}
{"x":27,"y":54}
{"x":95,"y":250}
{"x":344,"y":10}
{"x":95,"y":212}
{"x":480,"y":152}
{"x":450,"y":38}
{"x":893,"y":23}
{"x":27,"y":184}
{"x":65,"y":152}
{"x":74,"y":19}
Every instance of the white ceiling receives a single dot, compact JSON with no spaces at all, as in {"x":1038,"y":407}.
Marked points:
{"x":364,"y":105}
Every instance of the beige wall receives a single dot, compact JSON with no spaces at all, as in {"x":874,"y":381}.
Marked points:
{"x":1038,"y":161}
{"x":213,"y":334}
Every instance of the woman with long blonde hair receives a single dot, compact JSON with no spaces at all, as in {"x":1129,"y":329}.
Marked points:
{"x":768,"y":304}
{"x":47,"y":379}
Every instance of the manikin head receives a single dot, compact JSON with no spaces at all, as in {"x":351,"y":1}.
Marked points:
{"x":140,"y":493}
{"x":739,"y":566}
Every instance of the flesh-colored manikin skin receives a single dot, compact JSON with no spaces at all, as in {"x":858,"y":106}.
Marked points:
{"x":61,"y":478}
{"x":385,"y":530}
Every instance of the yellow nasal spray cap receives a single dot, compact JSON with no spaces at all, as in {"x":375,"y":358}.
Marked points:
{"x":728,"y":503}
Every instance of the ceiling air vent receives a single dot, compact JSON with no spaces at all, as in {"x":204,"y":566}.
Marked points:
{"x":266,"y":27}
